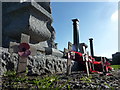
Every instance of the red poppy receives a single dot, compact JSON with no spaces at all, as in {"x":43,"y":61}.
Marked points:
{"x":24,"y":50}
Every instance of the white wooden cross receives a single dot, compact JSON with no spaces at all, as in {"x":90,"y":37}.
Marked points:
{"x":69,"y":58}
{"x":103,"y":60}
{"x":85,"y":56}
{"x":14,"y":48}
{"x":93,"y":64}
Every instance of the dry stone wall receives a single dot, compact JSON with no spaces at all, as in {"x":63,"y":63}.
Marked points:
{"x":37,"y":65}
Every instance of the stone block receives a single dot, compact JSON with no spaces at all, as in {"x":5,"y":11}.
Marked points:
{"x":30,"y":18}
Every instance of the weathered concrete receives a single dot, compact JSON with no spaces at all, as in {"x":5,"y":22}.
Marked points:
{"x":91,"y":47}
{"x":76,"y":33}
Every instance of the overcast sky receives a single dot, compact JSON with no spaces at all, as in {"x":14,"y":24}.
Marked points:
{"x":98,"y":20}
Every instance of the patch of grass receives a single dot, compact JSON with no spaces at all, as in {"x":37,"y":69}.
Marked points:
{"x":86,"y":79}
{"x":109,"y":86}
{"x":46,"y":82}
{"x":10,"y":74}
{"x":116,"y":67}
{"x":12,"y":80}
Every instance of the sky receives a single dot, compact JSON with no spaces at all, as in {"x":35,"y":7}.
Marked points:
{"x":98,"y":20}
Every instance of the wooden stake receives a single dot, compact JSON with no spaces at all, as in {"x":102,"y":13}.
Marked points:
{"x":69,"y":59}
{"x":85,"y":58}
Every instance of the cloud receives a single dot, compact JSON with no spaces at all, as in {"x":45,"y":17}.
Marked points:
{"x":114,"y":16}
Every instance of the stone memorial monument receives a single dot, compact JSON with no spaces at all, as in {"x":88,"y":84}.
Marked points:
{"x":33,"y":19}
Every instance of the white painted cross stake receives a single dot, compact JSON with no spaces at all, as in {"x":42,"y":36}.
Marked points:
{"x":69,"y":59}
{"x":24,"y":50}
{"x":85,"y":56}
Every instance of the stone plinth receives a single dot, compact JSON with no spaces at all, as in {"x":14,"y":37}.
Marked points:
{"x":31,"y":18}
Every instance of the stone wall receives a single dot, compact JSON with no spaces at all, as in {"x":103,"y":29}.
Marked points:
{"x":116,"y":58}
{"x":37,"y":65}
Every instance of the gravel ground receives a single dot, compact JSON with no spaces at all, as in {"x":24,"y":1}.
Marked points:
{"x":77,"y":80}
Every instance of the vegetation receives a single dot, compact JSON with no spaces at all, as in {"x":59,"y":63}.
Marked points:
{"x":12,"y":80}
{"x":116,"y":67}
{"x":87,"y":79}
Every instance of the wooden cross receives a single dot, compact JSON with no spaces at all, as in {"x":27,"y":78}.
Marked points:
{"x":103,"y":59}
{"x":93,"y":65}
{"x":69,"y":59}
{"x":14,"y":48}
{"x":102,"y":63}
{"x":65,"y":52}
{"x":85,"y":56}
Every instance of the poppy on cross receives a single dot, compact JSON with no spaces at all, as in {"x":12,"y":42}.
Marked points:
{"x":23,"y":50}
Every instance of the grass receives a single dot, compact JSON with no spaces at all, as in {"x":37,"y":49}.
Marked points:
{"x":116,"y":67}
{"x":12,"y":80}
{"x":86,"y":79}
